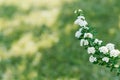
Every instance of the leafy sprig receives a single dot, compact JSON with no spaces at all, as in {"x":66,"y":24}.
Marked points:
{"x":101,"y":54}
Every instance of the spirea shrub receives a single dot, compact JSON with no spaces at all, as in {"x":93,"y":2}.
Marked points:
{"x":99,"y":53}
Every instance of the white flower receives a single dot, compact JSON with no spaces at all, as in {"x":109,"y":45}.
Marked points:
{"x":98,"y":41}
{"x":81,"y":21}
{"x":81,"y":17}
{"x":79,"y":10}
{"x":83,"y":42}
{"x":92,"y":59}
{"x":86,"y":27}
{"x":81,"y":30}
{"x":75,"y":11}
{"x":103,"y":49}
{"x":106,"y":59}
{"x":88,"y":35}
{"x":78,"y":34}
{"x":116,"y":65}
{"x":91,"y":50}
{"x":114,"y":53}
{"x":110,"y":46}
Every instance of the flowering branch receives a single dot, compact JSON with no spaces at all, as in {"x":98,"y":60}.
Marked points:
{"x":101,"y":54}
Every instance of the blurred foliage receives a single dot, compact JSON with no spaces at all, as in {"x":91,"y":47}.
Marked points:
{"x":37,"y":39}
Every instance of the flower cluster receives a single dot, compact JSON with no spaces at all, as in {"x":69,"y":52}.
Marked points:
{"x":100,"y":53}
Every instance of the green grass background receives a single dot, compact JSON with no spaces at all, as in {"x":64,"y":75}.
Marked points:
{"x":37,"y":41}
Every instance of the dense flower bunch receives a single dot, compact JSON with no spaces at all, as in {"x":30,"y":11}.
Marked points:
{"x":100,"y":53}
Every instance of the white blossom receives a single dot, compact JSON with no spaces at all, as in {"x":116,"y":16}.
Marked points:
{"x":81,"y":21}
{"x":79,"y":10}
{"x":97,"y":41}
{"x":91,"y":50}
{"x":92,"y":59}
{"x":114,"y":53}
{"x":86,"y":27}
{"x":80,"y":29}
{"x":75,"y":11}
{"x":103,"y":49}
{"x":78,"y":34}
{"x":110,"y":46}
{"x":81,"y":17}
{"x":106,"y":59}
{"x":116,"y":66}
{"x":108,"y":51}
{"x":83,"y":42}
{"x":88,"y":35}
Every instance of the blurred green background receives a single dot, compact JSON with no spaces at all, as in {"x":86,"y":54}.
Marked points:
{"x":37,"y":39}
